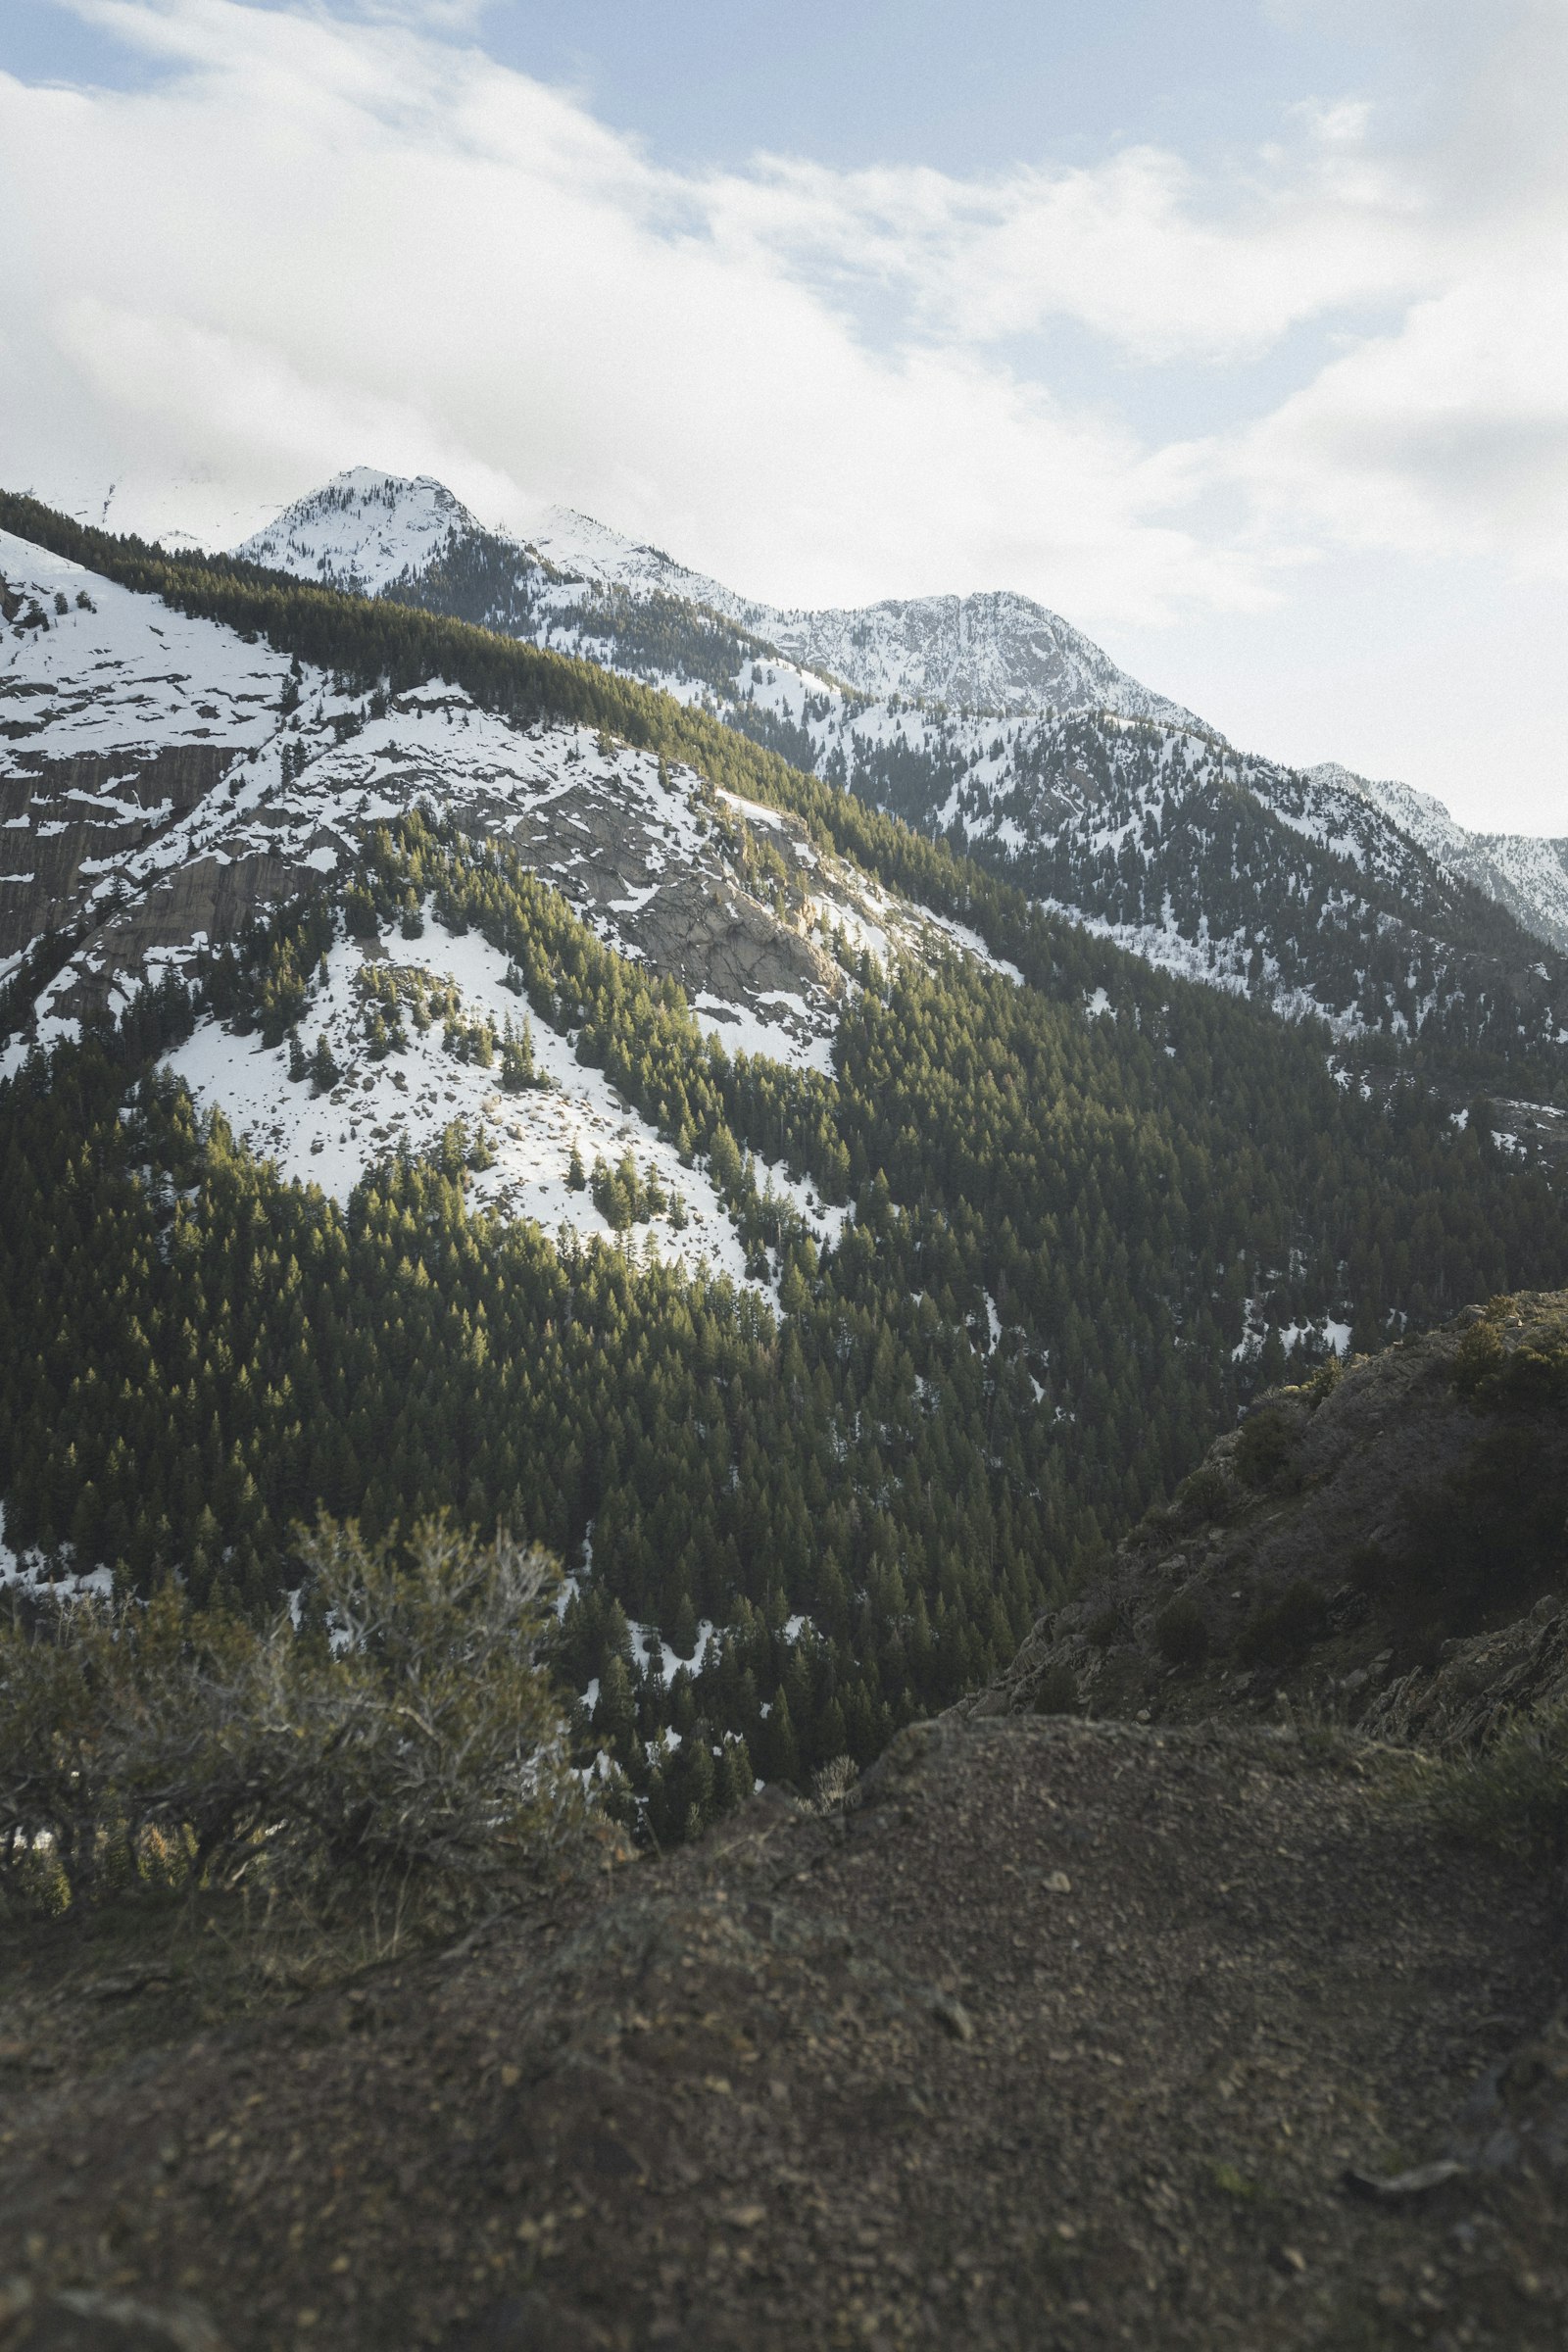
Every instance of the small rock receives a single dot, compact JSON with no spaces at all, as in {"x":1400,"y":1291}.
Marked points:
{"x":954,"y":2016}
{"x":1057,"y":1882}
{"x":127,"y":1980}
{"x":1390,"y":2187}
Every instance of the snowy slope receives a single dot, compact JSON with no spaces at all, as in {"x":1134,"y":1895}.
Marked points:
{"x":408,"y":1099}
{"x":995,"y":652}
{"x":115,"y":673}
{"x":362,"y":531}
{"x":1526,"y":873}
{"x":582,"y":549}
{"x":163,"y":781}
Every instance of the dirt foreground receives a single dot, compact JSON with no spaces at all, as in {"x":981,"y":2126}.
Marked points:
{"x":1070,"y":2034}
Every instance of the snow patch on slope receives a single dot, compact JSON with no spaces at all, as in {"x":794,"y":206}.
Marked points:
{"x":121,"y":672}
{"x":408,"y":1099}
{"x":361,"y":530}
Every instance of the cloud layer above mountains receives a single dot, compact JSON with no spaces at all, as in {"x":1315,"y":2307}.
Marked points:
{"x":302,"y":242}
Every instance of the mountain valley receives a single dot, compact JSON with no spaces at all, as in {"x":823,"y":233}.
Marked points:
{"x":1011,"y":1258}
{"x":525,"y":1004}
{"x":1205,"y":2029}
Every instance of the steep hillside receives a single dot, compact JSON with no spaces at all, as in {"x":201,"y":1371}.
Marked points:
{"x":1527,"y":875}
{"x":996,"y":725}
{"x":1256,"y":878}
{"x":1389,"y":1545}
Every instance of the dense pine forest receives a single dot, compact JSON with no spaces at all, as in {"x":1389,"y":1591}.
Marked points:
{"x":1081,"y":1198}
{"x":871,"y":1485}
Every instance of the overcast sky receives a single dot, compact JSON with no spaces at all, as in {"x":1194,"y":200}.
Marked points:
{"x":1236,"y":331}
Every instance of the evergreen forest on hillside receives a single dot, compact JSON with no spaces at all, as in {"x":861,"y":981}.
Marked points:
{"x":195,"y":1356}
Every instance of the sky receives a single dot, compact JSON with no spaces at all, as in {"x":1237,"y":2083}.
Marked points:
{"x":1236,"y":332}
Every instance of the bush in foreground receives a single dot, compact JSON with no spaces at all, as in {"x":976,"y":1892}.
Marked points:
{"x":1514,"y":1794}
{"x":406,"y":1737}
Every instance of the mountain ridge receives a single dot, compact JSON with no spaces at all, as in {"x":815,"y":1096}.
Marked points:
{"x":1020,"y":658}
{"x":944,"y":768}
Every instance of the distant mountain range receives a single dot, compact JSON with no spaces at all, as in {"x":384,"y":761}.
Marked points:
{"x":1002,"y":652}
{"x":996,"y":725}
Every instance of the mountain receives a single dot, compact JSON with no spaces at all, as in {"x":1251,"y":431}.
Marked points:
{"x":460,"y":1103}
{"x":1000,"y":652}
{"x":996,"y":725}
{"x":443,"y":1072}
{"x":996,"y":653}
{"x":362,"y":530}
{"x":1526,"y":874}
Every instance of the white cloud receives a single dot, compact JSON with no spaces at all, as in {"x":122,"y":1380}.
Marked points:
{"x":315,"y":241}
{"x":1136,"y":248}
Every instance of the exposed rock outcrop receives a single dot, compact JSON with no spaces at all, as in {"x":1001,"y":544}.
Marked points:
{"x":63,"y":821}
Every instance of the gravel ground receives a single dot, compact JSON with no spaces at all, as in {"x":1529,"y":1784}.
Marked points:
{"x":1068,"y":2036}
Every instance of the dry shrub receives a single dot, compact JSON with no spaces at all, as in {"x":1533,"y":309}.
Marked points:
{"x":1514,"y":1793}
{"x":1181,"y":1633}
{"x":835,"y":1785}
{"x":408,"y":1736}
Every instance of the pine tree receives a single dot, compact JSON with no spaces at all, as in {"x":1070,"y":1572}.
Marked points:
{"x":324,"y":1072}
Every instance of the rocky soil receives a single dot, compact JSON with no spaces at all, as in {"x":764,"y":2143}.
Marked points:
{"x":1069,"y":2033}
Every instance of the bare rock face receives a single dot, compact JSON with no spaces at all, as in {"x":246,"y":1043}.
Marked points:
{"x":686,"y":915}
{"x":211,"y":900}
{"x":123,"y":860}
{"x":62,"y":821}
{"x":1476,"y":1686}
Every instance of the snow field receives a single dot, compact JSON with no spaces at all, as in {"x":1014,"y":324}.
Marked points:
{"x":409,"y":1099}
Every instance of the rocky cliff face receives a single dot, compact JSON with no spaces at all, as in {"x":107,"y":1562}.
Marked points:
{"x":64,"y":823}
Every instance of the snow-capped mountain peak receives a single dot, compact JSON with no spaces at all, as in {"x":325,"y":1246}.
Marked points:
{"x":985,"y":712}
{"x":588,"y":550}
{"x":362,"y":531}
{"x":1523,"y":872}
{"x":994,"y":651}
